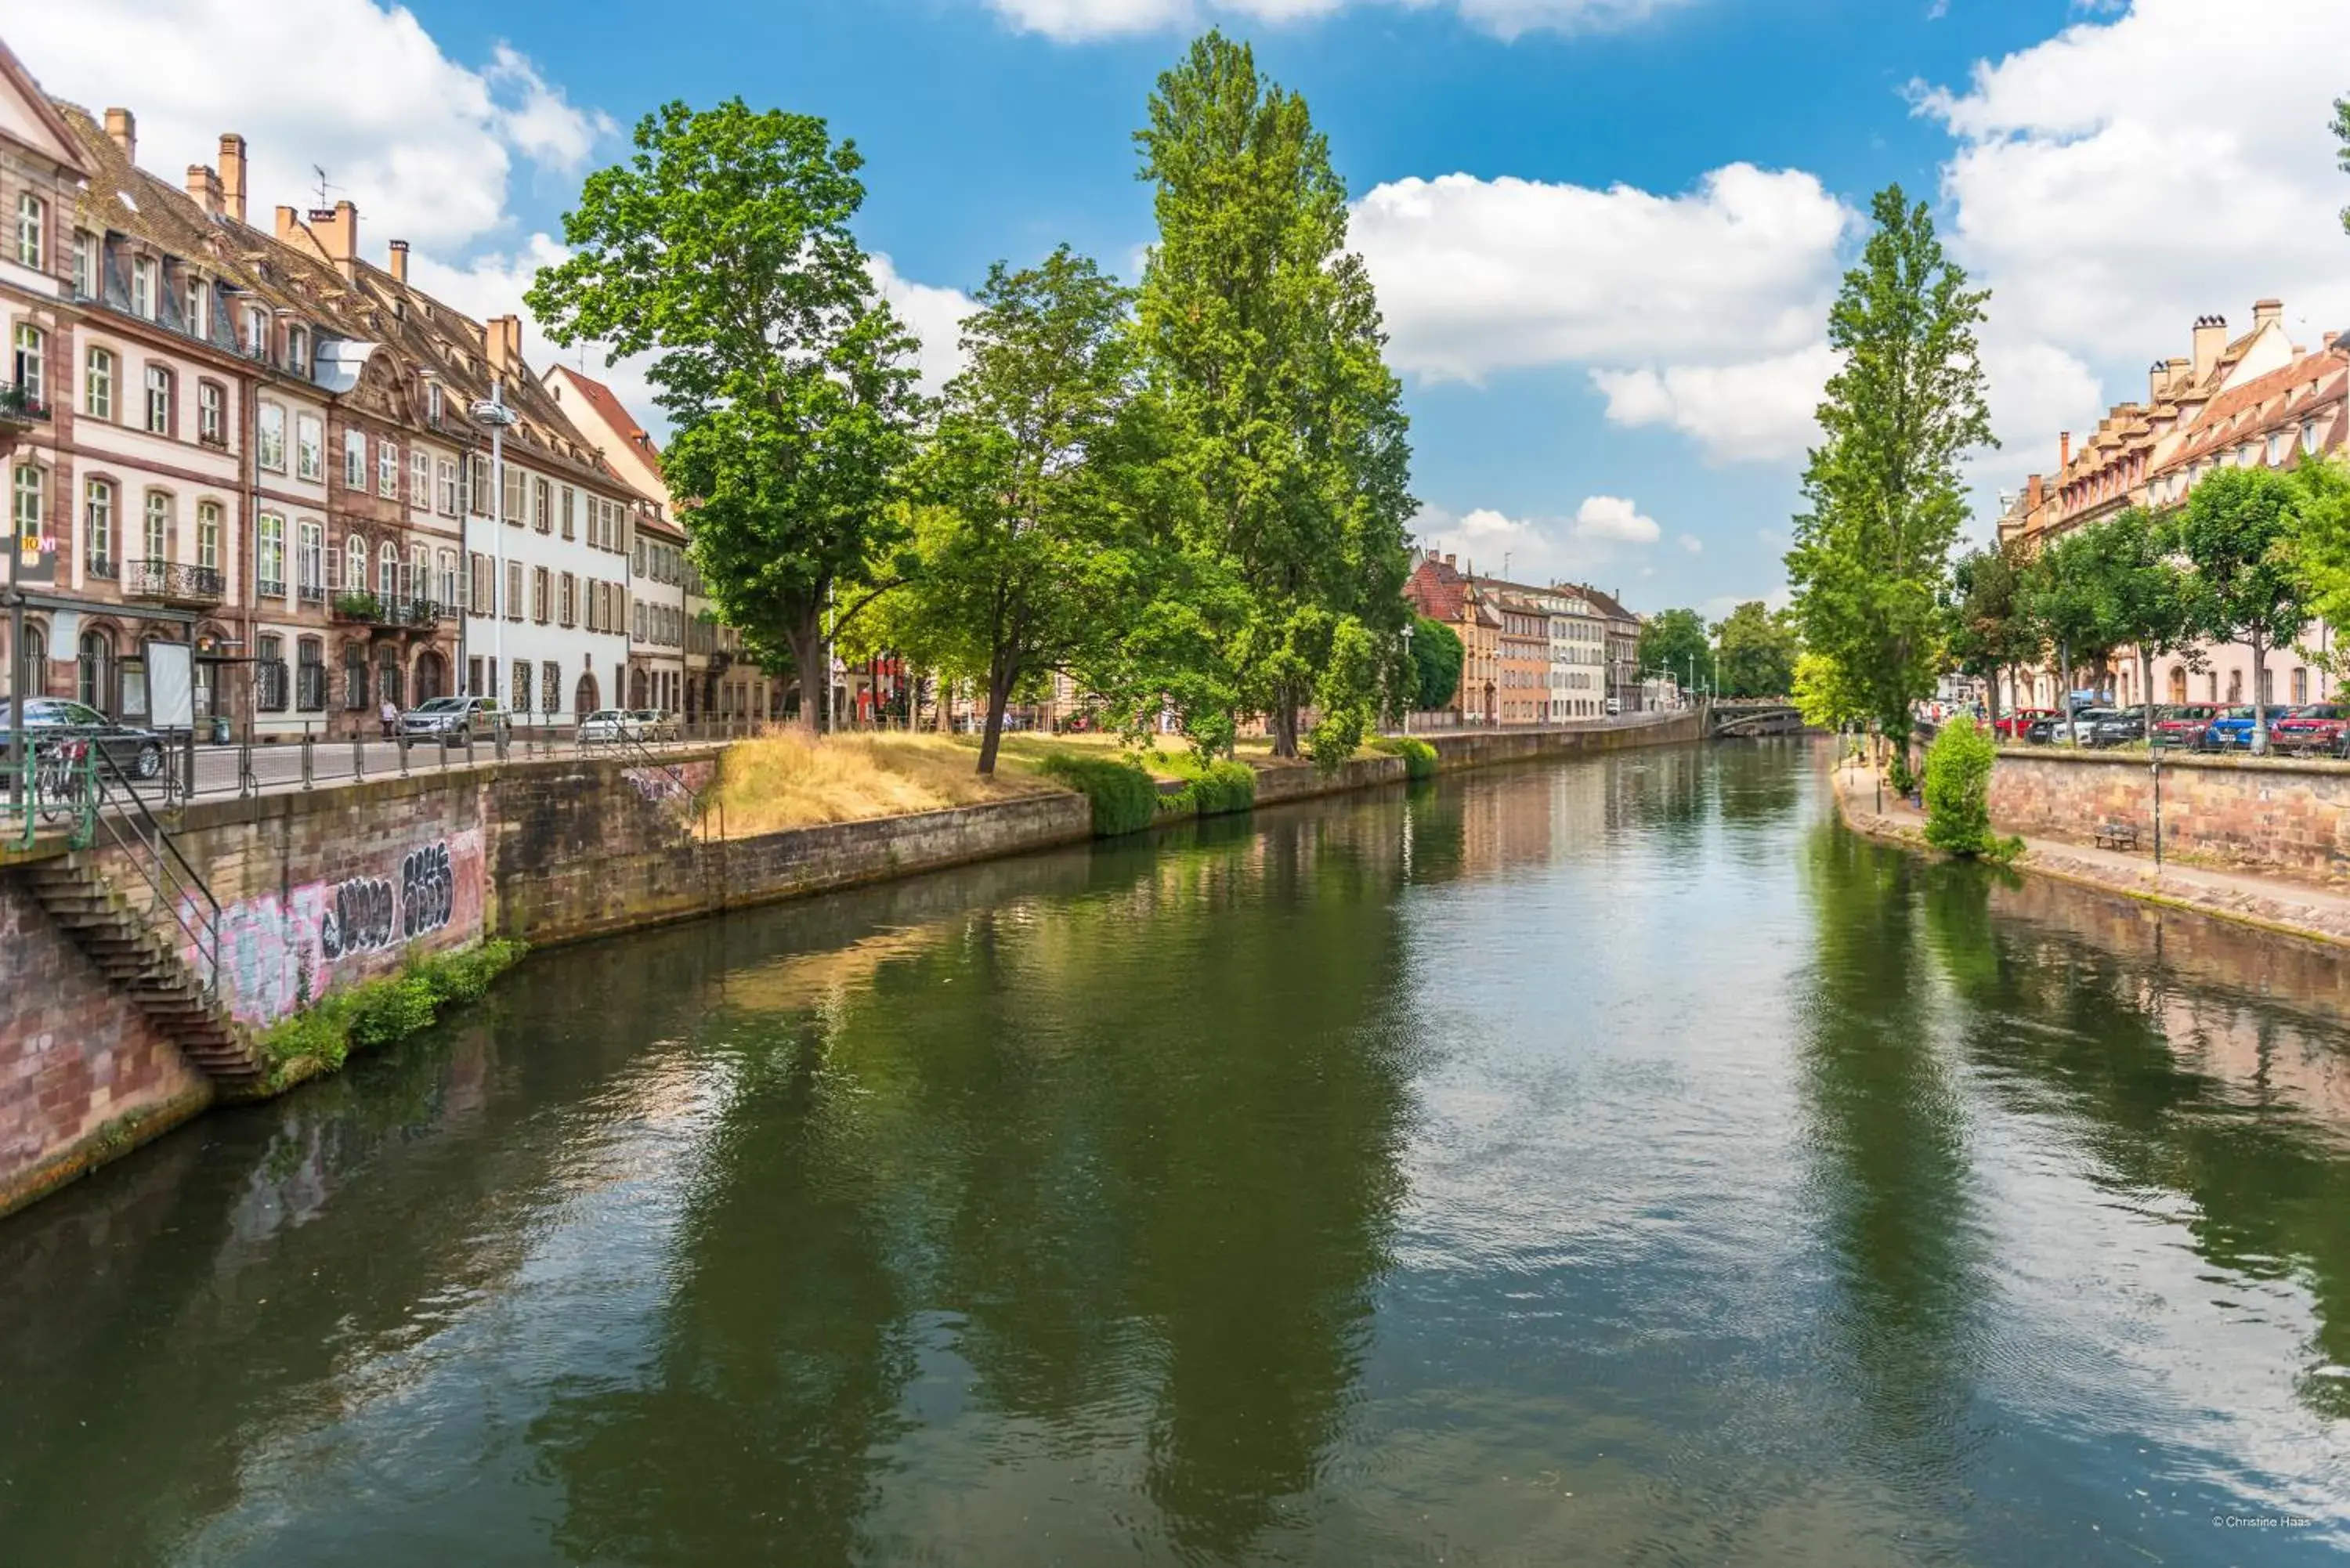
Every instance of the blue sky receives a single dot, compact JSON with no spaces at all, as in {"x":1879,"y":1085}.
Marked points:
{"x":1604,"y":231}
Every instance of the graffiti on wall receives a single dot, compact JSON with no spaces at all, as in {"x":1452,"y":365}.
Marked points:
{"x":278,"y":950}
{"x":672,"y":790}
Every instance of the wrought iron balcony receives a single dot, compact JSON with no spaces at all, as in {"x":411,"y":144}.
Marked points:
{"x":364,"y":608}
{"x":20,"y":406}
{"x":173,"y":583}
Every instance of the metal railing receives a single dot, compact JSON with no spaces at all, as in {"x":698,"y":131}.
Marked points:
{"x":60,"y":788}
{"x":154,"y":579}
{"x":124,"y":822}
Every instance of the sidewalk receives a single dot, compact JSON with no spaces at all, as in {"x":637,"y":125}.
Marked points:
{"x":2271,"y":903}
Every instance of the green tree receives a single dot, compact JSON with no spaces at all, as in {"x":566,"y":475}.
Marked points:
{"x":1883,"y":488}
{"x":1436,"y":659}
{"x":1823,"y":697}
{"x":1026,"y":562}
{"x":1990,"y":628}
{"x":1674,"y":644}
{"x":1264,"y":335}
{"x":723,"y":247}
{"x":2320,"y":546}
{"x":2151,"y":598}
{"x":2066,"y":592}
{"x":1755,"y":652}
{"x":2341,"y":135}
{"x":1957,"y":789}
{"x":2237,"y":532}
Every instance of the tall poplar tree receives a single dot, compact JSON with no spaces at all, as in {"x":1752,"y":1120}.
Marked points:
{"x":1264,"y":340}
{"x":723,"y":248}
{"x":1872,"y":553}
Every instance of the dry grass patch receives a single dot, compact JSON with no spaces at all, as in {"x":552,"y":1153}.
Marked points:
{"x":790,"y":781}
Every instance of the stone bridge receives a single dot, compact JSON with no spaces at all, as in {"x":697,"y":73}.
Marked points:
{"x":1746,"y":719}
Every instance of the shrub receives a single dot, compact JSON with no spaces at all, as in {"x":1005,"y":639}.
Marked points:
{"x":1958,"y":792}
{"x":1418,"y":756}
{"x":384,"y":1011}
{"x":1216,"y":789}
{"x":1125,"y":798}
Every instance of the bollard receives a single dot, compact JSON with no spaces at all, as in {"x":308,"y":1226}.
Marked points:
{"x":309,"y":763}
{"x":188,"y":764}
{"x":400,"y":740}
{"x":358,"y":756}
{"x":469,"y":745}
{"x":441,"y":741}
{"x":245,"y":783}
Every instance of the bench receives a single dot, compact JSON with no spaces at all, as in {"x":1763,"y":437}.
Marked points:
{"x":2114,"y":835}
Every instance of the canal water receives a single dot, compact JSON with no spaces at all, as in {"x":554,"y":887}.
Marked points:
{"x":1608,"y":1162}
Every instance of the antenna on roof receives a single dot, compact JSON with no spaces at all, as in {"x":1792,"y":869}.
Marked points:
{"x":323,"y":186}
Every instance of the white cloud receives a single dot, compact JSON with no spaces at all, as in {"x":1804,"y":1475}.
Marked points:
{"x":1607,"y":532}
{"x":1479,"y":276}
{"x":422,"y":144}
{"x":2135,"y":170}
{"x":932,"y":314}
{"x":1692,"y":544}
{"x":1761,"y":411}
{"x":1072,"y":21}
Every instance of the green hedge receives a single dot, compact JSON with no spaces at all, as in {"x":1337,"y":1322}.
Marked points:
{"x":1418,"y":756}
{"x":381,"y":1012}
{"x":1218,"y":789}
{"x":1125,"y":798}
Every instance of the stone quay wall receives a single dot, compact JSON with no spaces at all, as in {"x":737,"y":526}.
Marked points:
{"x":2276,"y":815}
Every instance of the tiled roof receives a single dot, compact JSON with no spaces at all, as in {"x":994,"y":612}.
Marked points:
{"x":2285,"y":394}
{"x":599,"y":398}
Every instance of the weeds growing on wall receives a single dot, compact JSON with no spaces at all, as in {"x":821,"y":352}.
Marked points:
{"x":1418,"y":756}
{"x":380,"y":1012}
{"x":1125,"y":798}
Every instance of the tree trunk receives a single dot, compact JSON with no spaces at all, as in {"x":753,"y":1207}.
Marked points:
{"x":944,"y":718}
{"x":1990,"y":703}
{"x":2259,"y":705}
{"x":1285,"y":720}
{"x":2065,"y":689}
{"x":805,"y":637}
{"x":998,"y":692}
{"x":2146,"y":679}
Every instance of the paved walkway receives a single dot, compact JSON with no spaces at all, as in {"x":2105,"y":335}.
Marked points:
{"x":2274,"y":903}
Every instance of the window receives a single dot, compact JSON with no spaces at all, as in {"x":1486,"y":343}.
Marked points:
{"x":387,"y":571}
{"x":477,"y":484}
{"x":144,"y":294}
{"x":419,"y":478}
{"x":474,"y":677}
{"x":445,"y":474}
{"x":420,"y":572}
{"x":542,"y":507}
{"x":27,"y":496}
{"x":98,"y":527}
{"x":550,"y":687}
{"x":540,"y":609}
{"x":2279,"y":444}
{"x":97,"y":385}
{"x":197,"y":307}
{"x":298,"y":350}
{"x":355,"y":470}
{"x":447,"y":562}
{"x":269,"y":691}
{"x":513,"y":590}
{"x":521,"y":684}
{"x":387,"y":470}
{"x":637,"y":620}
{"x":273,"y":437}
{"x":158,"y":528}
{"x":567,"y":607}
{"x":270,"y":568}
{"x":208,"y":535}
{"x":355,"y":565}
{"x":354,"y":679}
{"x":310,"y":676}
{"x":515,"y":495}
{"x":309,"y":447}
{"x":32,"y":232}
{"x":570,"y":505}
{"x":85,"y":263}
{"x":211,"y":413}
{"x":159,"y":400}
{"x":2309,"y":437}
{"x":433,"y":401}
{"x":31,"y":363}
{"x":2300,"y":686}
{"x":256,"y":332}
{"x":484,"y":597}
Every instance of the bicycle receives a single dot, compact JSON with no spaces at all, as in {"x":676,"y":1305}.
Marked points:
{"x":61,"y":780}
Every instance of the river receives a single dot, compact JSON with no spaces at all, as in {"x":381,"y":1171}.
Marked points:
{"x":1610,"y":1162}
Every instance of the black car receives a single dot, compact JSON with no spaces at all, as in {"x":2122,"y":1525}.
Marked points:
{"x":2111,"y":726}
{"x":134,"y":751}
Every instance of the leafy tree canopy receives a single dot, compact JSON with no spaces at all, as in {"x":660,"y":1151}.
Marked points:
{"x":1436,"y":659}
{"x":1756,"y":653}
{"x":1674,"y":644}
{"x":2239,"y":531}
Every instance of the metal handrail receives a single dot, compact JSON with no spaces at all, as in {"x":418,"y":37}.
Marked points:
{"x":155,"y":854}
{"x":68,"y":761}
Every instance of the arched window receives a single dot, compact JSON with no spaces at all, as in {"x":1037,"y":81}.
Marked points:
{"x":36,"y":658}
{"x":97,"y":528}
{"x":158,"y":530}
{"x":583,"y":700}
{"x":387,"y":571}
{"x":97,"y":385}
{"x":95,"y":682}
{"x":432,"y":677}
{"x":30,"y":366}
{"x":208,"y":535}
{"x":355,"y":565}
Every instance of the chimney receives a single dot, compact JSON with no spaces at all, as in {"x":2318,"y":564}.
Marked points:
{"x":231,"y":175}
{"x":2156,"y":376}
{"x":2033,"y":495}
{"x":399,"y":261}
{"x":502,"y":341}
{"x":337,"y":230}
{"x":2210,"y":338}
{"x":2064,"y":450}
{"x":123,"y":130}
{"x":1449,"y":559}
{"x":2267,"y":313}
{"x":204,"y":189}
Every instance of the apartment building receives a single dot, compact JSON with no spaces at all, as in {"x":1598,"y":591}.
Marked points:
{"x":1439,"y":589}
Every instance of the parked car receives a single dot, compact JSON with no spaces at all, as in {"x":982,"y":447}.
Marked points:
{"x":2017,"y":725}
{"x":606,"y":726}
{"x":652,"y":724}
{"x":2182,"y":724}
{"x":450,"y":720}
{"x":2305,"y":732}
{"x":2232,"y":731}
{"x":2110,"y":726}
{"x":134,"y":751}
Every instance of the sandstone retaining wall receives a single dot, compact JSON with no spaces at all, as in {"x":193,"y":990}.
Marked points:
{"x":2268,"y":815}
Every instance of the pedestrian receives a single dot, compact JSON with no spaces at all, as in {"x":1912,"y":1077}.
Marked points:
{"x":390,"y":717}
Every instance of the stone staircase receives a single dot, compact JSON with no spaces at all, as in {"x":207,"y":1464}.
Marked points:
{"x":135,"y":949}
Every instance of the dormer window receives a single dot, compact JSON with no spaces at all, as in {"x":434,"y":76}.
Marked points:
{"x":298,"y":350}
{"x":256,"y":331}
{"x":85,"y":263}
{"x":433,"y":401}
{"x":143,"y":291}
{"x":196,"y":308}
{"x":2309,"y":437}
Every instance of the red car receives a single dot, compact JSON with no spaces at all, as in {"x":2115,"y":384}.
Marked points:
{"x":2317,"y":728}
{"x":2016,"y":727}
{"x":2183,"y":724}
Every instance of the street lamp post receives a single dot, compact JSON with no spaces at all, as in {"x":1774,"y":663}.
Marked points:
{"x":492,"y":411}
{"x":1412,"y":679}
